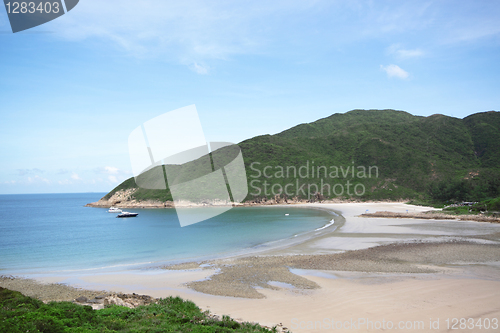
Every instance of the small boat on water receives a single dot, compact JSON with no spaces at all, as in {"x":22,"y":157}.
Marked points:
{"x":127,"y":214}
{"x":114,"y":210}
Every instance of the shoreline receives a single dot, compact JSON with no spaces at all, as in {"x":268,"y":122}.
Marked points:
{"x":435,"y":216}
{"x":123,"y":199}
{"x":447,"y":265}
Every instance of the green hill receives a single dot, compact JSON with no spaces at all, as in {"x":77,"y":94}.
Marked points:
{"x":372,"y":154}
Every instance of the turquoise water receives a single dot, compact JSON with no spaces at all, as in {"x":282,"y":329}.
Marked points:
{"x":55,"y":233}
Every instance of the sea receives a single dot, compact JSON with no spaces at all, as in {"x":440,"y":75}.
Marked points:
{"x":56,"y":233}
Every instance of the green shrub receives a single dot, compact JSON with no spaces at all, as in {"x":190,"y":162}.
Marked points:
{"x":21,"y":314}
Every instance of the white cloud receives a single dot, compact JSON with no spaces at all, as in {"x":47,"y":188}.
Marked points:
{"x":188,"y":32}
{"x":37,"y":179}
{"x":399,"y":17}
{"x":402,"y":53}
{"x":195,"y":67}
{"x":64,"y":182}
{"x":192,"y":32}
{"x":410,"y":53}
{"x":75,"y":176}
{"x":188,"y":29}
{"x":395,"y":71}
{"x":23,"y":172}
{"x":469,"y":22}
{"x":110,"y":170}
{"x":113,"y":179}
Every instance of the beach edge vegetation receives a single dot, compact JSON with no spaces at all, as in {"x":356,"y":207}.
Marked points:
{"x":19,"y":313}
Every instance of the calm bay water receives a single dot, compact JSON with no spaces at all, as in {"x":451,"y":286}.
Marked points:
{"x":55,"y":232}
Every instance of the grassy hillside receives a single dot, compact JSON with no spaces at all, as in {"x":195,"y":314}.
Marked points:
{"x":374,"y":154}
{"x":19,"y":314}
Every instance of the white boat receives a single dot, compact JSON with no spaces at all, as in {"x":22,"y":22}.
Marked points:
{"x":114,"y":210}
{"x":127,"y":214}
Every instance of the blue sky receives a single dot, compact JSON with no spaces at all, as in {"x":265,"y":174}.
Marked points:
{"x":73,"y":89}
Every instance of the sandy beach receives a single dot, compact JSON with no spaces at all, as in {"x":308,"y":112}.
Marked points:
{"x":369,"y":274}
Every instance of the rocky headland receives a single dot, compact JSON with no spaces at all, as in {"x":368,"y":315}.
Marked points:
{"x":125,"y":199}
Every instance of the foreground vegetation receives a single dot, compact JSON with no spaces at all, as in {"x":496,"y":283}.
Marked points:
{"x":19,"y":313}
{"x":487,"y":207}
